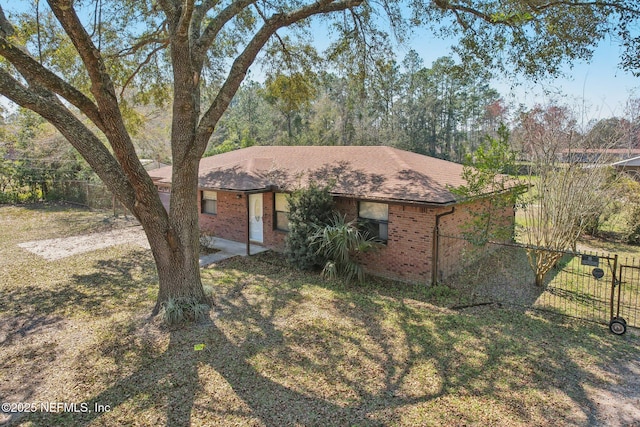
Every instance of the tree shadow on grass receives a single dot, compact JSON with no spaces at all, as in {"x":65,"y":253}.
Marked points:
{"x":283,"y":348}
{"x":123,"y":281}
{"x":35,"y":316}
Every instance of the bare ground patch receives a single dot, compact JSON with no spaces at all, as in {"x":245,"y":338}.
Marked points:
{"x":63,"y":247}
{"x":618,"y":403}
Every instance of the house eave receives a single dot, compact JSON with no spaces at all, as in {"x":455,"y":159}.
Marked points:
{"x":365,"y":197}
{"x":394,"y":200}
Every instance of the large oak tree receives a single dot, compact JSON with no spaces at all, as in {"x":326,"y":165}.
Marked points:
{"x":82,"y":64}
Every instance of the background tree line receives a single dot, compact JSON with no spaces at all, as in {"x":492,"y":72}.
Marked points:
{"x":442,"y":111}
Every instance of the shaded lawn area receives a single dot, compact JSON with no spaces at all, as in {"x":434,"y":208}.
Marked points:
{"x":281,"y":347}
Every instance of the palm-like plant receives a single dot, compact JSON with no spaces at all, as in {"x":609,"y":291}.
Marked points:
{"x":339,"y":242}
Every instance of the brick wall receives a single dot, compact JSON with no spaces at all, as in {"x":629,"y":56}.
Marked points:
{"x":231,"y":220}
{"x":407,"y":254}
{"x":273,"y":238}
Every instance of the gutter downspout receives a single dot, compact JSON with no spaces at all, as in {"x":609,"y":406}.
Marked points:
{"x":246,"y":196}
{"x":436,"y":245}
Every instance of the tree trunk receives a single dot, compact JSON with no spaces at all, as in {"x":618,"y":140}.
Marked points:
{"x":178,"y":251}
{"x":540,"y":278}
{"x":541,"y":262}
{"x":178,"y":275}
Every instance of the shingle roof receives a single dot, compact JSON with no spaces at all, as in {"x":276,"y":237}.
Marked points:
{"x":366,"y":172}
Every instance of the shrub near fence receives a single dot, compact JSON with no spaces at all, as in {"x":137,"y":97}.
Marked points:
{"x":580,"y":285}
{"x":90,"y":194}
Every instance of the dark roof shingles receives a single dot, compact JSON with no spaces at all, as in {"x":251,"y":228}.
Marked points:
{"x":373,"y":172}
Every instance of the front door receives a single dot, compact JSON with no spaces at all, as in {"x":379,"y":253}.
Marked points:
{"x":255,"y":218}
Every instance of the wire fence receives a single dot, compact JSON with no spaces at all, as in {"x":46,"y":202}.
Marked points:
{"x":92,"y":195}
{"x":589,"y":286}
{"x":85,"y":193}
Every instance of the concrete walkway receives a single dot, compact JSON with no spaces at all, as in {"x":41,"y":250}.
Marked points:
{"x":228,"y":249}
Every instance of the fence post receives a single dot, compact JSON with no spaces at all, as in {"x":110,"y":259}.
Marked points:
{"x":613,"y":284}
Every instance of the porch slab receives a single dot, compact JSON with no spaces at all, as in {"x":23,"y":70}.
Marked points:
{"x":228,"y":249}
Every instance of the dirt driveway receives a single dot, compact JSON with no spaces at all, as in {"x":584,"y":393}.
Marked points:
{"x":54,"y":249}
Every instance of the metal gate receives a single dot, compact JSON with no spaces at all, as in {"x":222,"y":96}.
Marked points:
{"x":600,"y":288}
{"x":625,"y":297}
{"x":580,"y":286}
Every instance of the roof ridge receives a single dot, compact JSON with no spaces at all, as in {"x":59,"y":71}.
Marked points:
{"x":393,"y":153}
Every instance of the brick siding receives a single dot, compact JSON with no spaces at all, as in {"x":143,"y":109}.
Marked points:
{"x":231,"y":220}
{"x":272,"y":238}
{"x":407,"y":255}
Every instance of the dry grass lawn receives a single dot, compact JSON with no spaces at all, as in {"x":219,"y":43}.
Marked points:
{"x":281,"y":348}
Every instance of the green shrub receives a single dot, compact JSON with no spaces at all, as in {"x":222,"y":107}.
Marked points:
{"x":184,"y":309}
{"x":631,"y":232}
{"x":339,"y":243}
{"x":309,"y":210}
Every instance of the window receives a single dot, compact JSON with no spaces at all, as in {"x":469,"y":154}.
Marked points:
{"x":375,"y":218}
{"x":209,"y":204}
{"x":282,"y":212}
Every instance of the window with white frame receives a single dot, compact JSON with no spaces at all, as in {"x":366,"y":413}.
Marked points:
{"x":374,"y":218}
{"x":209,"y":202}
{"x":282,"y":212}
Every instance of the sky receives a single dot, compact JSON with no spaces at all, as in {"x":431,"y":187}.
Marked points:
{"x":594,"y":90}
{"x":598,"y":89}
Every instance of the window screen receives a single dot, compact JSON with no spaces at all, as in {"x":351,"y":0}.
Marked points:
{"x":375,"y":218}
{"x":282,"y":212}
{"x":209,"y":202}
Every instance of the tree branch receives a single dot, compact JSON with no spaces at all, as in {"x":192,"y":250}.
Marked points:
{"x":169,"y":8}
{"x":34,"y":71}
{"x":101,"y":84}
{"x":5,"y":26}
{"x":455,"y":8}
{"x":142,"y":64}
{"x":186,"y":12}
{"x":153,"y":37}
{"x":103,"y":90}
{"x":215,"y":26}
{"x":247,"y":57}
{"x":619,"y":6}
